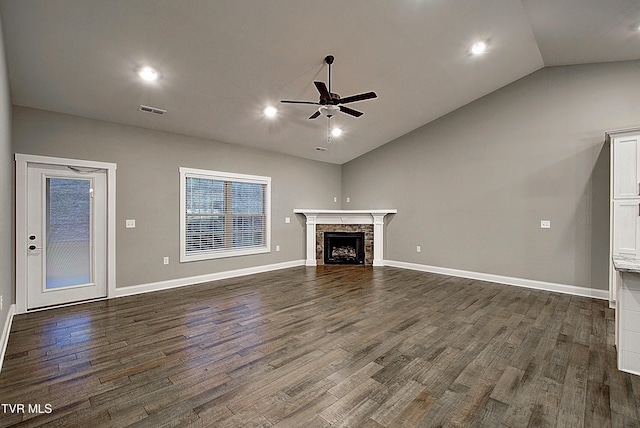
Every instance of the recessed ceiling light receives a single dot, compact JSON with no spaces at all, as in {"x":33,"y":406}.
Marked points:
{"x":270,"y":111}
{"x":148,"y":74}
{"x":479,"y":48}
{"x":336,"y":132}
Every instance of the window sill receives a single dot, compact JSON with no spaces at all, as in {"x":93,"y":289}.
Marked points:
{"x":184,"y":258}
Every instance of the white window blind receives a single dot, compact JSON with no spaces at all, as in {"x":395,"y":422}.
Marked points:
{"x":223,"y":214}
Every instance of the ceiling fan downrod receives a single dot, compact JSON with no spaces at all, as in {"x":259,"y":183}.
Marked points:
{"x":329,"y":60}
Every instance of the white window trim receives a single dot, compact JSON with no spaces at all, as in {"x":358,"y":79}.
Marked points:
{"x":225,"y":176}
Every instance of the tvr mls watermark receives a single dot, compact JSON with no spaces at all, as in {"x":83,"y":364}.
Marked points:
{"x":26,"y":408}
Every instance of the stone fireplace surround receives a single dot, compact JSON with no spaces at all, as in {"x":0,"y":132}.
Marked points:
{"x":369,"y":221}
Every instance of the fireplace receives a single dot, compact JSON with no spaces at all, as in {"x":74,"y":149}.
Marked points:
{"x":369,"y":222}
{"x":344,"y":248}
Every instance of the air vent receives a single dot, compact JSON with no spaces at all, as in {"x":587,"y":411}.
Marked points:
{"x":153,"y":110}
{"x":321,"y":149}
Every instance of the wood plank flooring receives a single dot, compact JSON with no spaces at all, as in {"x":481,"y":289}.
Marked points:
{"x":321,"y":347}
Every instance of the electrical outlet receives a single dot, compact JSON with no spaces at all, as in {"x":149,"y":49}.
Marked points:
{"x":277,"y":247}
{"x":166,"y":260}
{"x":130,"y":224}
{"x":418,"y":249}
{"x":545,"y":224}
{"x":287,"y":220}
{"x":335,"y":199}
{"x":348,"y":199}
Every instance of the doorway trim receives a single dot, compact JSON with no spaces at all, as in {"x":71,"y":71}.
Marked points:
{"x":22,"y":162}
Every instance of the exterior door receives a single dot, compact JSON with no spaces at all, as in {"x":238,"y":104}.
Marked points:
{"x":66,"y":240}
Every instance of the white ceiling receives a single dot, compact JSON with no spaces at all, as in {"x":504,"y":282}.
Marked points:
{"x":222,"y":61}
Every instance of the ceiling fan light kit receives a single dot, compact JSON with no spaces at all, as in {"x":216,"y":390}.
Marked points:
{"x":329,"y":111}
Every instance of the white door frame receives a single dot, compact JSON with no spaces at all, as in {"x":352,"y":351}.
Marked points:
{"x":22,"y":162}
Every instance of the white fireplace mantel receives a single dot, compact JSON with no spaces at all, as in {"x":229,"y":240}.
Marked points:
{"x":374,"y":217}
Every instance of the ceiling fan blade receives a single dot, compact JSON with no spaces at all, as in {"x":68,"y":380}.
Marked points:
{"x":300,"y":102}
{"x":314,"y":115}
{"x":322,"y":88}
{"x":351,"y":111}
{"x":359,"y":97}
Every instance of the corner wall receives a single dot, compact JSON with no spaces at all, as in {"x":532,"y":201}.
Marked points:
{"x":7,"y":259}
{"x":472,"y":187}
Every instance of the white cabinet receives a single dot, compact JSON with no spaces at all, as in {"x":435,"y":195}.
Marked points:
{"x":628,"y":320}
{"x":624,"y":268}
{"x":626,"y":166}
{"x":626,"y":228}
{"x":625,"y":200}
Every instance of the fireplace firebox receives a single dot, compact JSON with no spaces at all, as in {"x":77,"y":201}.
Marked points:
{"x":344,"y":248}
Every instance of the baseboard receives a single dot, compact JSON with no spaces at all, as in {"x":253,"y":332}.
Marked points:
{"x":519,"y":282}
{"x":182,"y":282}
{"x":4,"y":339}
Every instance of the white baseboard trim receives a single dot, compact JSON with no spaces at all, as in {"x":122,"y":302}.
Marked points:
{"x":4,"y":339}
{"x":181,"y":282}
{"x":519,"y":282}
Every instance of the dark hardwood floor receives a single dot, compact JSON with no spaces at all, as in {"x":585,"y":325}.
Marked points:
{"x":332,"y":346}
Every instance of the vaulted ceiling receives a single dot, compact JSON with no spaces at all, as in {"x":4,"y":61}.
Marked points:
{"x":221,"y":62}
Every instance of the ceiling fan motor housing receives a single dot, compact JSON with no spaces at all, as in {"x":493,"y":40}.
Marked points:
{"x":335,"y":99}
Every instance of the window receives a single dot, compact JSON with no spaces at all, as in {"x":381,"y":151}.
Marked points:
{"x":223,"y":214}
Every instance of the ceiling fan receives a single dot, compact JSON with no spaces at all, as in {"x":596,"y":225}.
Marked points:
{"x":330,"y":103}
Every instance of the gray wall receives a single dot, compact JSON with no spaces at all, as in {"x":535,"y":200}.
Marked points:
{"x":472,"y":187}
{"x":6,"y":192}
{"x":148,"y":188}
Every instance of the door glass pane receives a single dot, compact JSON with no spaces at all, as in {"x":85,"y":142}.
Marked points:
{"x":68,"y":243}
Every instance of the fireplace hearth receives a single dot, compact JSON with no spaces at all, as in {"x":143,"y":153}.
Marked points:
{"x":344,"y":248}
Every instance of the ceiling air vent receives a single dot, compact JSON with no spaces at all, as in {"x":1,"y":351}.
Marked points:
{"x":153,"y":110}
